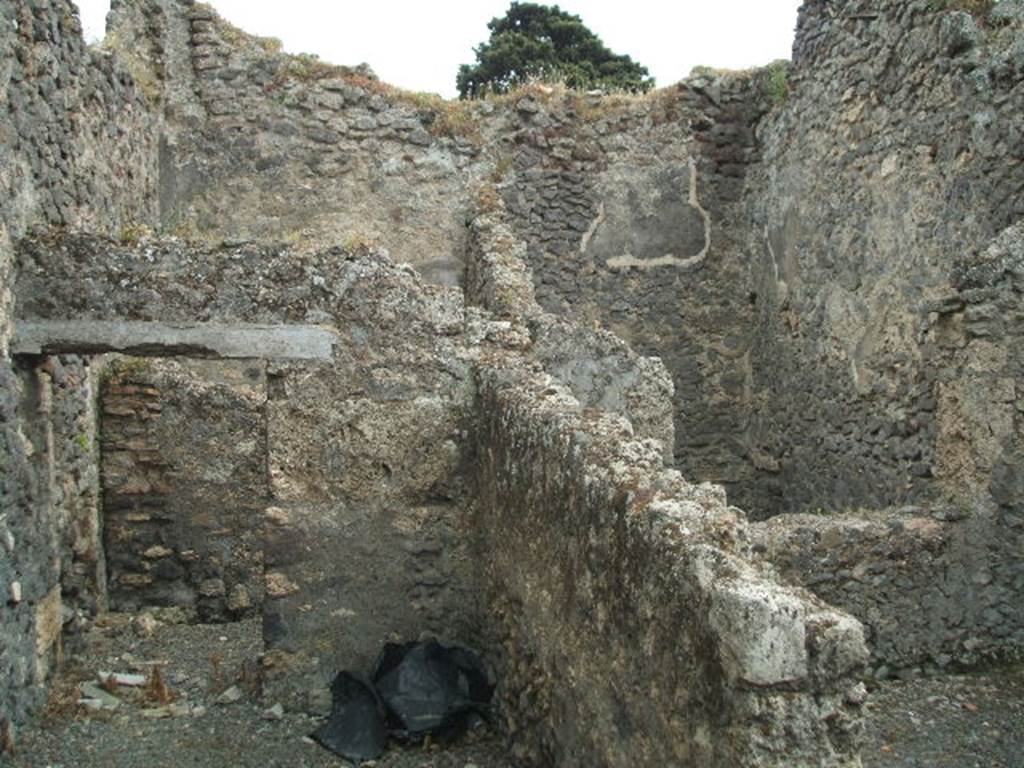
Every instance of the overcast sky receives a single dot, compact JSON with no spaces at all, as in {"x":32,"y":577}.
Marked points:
{"x":419,"y":45}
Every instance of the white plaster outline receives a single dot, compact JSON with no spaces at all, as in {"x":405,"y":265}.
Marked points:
{"x":668,"y":260}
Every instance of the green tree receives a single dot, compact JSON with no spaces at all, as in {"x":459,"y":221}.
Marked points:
{"x":543,"y":41}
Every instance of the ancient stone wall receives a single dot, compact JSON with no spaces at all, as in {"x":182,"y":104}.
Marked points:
{"x":75,"y":487}
{"x":601,"y":370}
{"x":830,"y":269}
{"x":184,"y":462}
{"x":52,"y":568}
{"x":77,"y":149}
{"x":631,"y":627}
{"x":267,"y":146}
{"x":365,"y":536}
{"x":897,"y":153}
{"x":933,"y":587}
{"x":628,"y":211}
{"x":628,"y":207}
{"x":78,"y":139}
{"x":940,"y":585}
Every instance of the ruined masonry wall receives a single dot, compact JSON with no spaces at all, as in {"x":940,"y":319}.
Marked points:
{"x":940,"y":585}
{"x":639,"y":632}
{"x":366,"y":529}
{"x":184,"y":461}
{"x":265,"y":146}
{"x":628,"y":211}
{"x":897,"y":155}
{"x":601,"y":370}
{"x":886,"y":257}
{"x":77,"y":148}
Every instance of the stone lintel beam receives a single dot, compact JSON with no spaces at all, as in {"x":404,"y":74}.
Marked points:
{"x":216,"y":340}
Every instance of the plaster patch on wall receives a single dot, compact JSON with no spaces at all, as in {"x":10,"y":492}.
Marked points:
{"x":629,"y":260}
{"x":592,"y":229}
{"x":48,"y":623}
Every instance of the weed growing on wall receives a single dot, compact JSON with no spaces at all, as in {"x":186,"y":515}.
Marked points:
{"x":776,"y":82}
{"x":131,"y":234}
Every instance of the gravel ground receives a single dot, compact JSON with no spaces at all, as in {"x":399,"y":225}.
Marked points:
{"x":202,"y":661}
{"x":953,"y":721}
{"x":964,"y":721}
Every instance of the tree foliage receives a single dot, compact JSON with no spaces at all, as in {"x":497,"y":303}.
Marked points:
{"x":533,"y":41}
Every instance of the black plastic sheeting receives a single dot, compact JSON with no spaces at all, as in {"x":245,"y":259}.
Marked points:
{"x":417,"y":689}
{"x":355,"y":729}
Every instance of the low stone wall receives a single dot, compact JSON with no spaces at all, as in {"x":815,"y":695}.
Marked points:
{"x":935,"y":588}
{"x":184,"y":461}
{"x":940,"y":584}
{"x":632,"y":628}
{"x":600,"y":368}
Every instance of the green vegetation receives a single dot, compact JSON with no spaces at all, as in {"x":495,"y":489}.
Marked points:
{"x":359,"y":242}
{"x":776,"y":81}
{"x":124,"y":369}
{"x":441,"y":117}
{"x":131,"y":234}
{"x":308,"y":68}
{"x":502,"y":168}
{"x":140,"y":68}
{"x":534,"y":42}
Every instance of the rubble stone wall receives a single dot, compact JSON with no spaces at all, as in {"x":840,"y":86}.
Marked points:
{"x":51,"y":570}
{"x":829,"y":268}
{"x":77,"y":149}
{"x":896,"y":157}
{"x":629,"y":213}
{"x":267,"y":146}
{"x":601,"y":370}
{"x":935,"y":589}
{"x":184,"y":464}
{"x":261,"y":145}
{"x":366,"y":531}
{"x":632,"y":628}
{"x":940,"y":585}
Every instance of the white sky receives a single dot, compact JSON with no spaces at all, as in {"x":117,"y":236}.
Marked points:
{"x":419,"y":44}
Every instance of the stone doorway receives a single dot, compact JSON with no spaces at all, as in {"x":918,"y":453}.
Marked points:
{"x":183,"y":456}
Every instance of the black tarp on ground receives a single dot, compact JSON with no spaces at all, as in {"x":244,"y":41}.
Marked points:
{"x":355,"y":729}
{"x":417,"y":689}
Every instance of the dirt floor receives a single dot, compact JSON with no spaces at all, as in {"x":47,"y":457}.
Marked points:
{"x":952,"y":721}
{"x":206,"y":713}
{"x":197,"y":727}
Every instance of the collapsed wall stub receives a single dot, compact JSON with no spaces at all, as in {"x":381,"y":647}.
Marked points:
{"x":653,"y":639}
{"x":654,"y":592}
